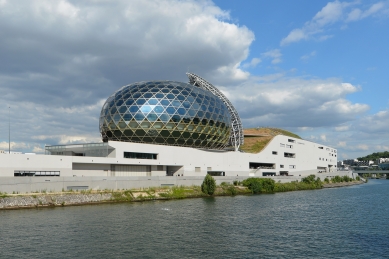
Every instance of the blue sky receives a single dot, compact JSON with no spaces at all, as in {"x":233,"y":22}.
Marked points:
{"x":317,"y":68}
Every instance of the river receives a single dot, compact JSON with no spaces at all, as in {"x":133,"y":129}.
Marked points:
{"x":349,"y":222}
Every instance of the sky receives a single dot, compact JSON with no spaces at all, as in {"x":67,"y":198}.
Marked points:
{"x":316,"y":68}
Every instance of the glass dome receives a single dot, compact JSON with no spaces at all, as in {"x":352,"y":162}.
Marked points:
{"x":167,"y":113}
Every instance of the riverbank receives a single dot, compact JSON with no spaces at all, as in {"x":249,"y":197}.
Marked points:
{"x":343,"y":184}
{"x":38,"y":200}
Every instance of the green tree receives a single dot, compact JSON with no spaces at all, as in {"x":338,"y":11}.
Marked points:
{"x":209,"y":185}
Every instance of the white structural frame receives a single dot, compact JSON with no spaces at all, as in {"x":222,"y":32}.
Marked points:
{"x":236,"y":136}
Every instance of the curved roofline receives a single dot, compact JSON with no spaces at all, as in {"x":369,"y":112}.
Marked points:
{"x":236,"y":136}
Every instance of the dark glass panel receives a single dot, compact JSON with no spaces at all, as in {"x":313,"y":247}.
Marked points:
{"x":159,"y":96}
{"x":153,"y":101}
{"x":175,"y":91}
{"x":210,"y":108}
{"x":152,"y":117}
{"x":186,"y":134}
{"x":123,"y":109}
{"x":189,"y":142}
{"x":120,"y":102}
{"x":134,"y":109}
{"x":181,"y":141}
{"x":196,"y":120}
{"x":191,"y":112}
{"x":159,"y":140}
{"x":165,"y":91}
{"x":204,"y":108}
{"x":170,"y":141}
{"x":129,"y":102}
{"x":195,"y":106}
{"x":207,"y":97}
{"x":185,"y":93}
{"x":176,"y":134}
{"x":186,"y":104}
{"x":176,"y":118}
{"x":176,"y":103}
{"x":204,"y":122}
{"x":136,"y":95}
{"x":147,"y":140}
{"x":140,"y":132}
{"x":180,"y":97}
{"x":200,"y":114}
{"x":147,"y":95}
{"x":127,"y":117}
{"x":205,"y":102}
{"x":155,"y":90}
{"x":165,"y":133}
{"x":164,"y":117}
{"x":139,"y":116}
{"x":171,"y":110}
{"x":181,"y":111}
{"x":140,"y":101}
{"x":170,"y":96}
{"x":165,"y":102}
{"x":113,"y":110}
{"x":186,"y":120}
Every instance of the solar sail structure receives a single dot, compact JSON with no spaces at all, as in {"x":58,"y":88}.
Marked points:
{"x":236,"y":135}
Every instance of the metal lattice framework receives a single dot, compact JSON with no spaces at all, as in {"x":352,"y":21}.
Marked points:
{"x":236,"y":136}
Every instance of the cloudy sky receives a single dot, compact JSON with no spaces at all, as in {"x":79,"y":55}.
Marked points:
{"x":316,"y":68}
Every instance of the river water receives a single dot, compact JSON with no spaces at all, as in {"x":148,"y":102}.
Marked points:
{"x":349,"y":222}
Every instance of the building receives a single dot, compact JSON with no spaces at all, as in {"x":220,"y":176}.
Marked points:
{"x":168,"y":128}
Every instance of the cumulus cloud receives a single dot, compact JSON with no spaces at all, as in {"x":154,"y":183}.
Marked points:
{"x":295,"y":102}
{"x":334,"y":12}
{"x":62,"y":59}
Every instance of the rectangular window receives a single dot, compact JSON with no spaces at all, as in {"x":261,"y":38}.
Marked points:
{"x":292,"y":167}
{"x":197,"y":169}
{"x":159,"y":167}
{"x":135,"y":155}
{"x":281,"y":166}
{"x":209,"y":168}
{"x":274,"y":152}
{"x":291,"y":140}
{"x":289,"y":146}
{"x":320,"y":147}
{"x":282,"y":145}
{"x":289,"y":155}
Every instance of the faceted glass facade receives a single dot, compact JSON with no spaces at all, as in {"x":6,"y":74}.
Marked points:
{"x":167,"y":113}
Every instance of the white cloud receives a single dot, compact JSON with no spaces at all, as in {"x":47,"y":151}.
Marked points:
{"x":342,"y":128}
{"x":285,"y":102}
{"x":253,"y":63}
{"x":274,"y":54}
{"x":323,"y":137}
{"x":332,"y":13}
{"x":62,"y":59}
{"x":308,"y":56}
{"x":342,"y":144}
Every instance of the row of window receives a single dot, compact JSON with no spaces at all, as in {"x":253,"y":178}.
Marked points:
{"x":290,"y":166}
{"x":287,"y":146}
{"x":136,"y":155}
{"x":36,"y":173}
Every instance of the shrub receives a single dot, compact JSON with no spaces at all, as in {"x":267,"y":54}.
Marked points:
{"x":259,"y":185}
{"x":327,"y":180}
{"x":209,"y":185}
{"x":232,"y":190}
{"x":358,"y":178}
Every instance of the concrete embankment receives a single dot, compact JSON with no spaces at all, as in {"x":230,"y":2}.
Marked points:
{"x":46,"y":200}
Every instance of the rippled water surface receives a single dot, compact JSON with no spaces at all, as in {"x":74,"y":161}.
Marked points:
{"x":351,"y":222}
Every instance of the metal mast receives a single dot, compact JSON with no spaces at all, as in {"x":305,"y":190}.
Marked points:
{"x":236,"y":136}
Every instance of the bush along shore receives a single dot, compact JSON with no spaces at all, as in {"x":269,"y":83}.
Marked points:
{"x":207,"y":189}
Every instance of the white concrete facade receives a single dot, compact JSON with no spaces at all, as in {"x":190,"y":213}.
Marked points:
{"x":282,"y":156}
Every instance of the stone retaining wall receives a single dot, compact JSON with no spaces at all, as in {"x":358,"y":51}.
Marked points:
{"x":31,"y":201}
